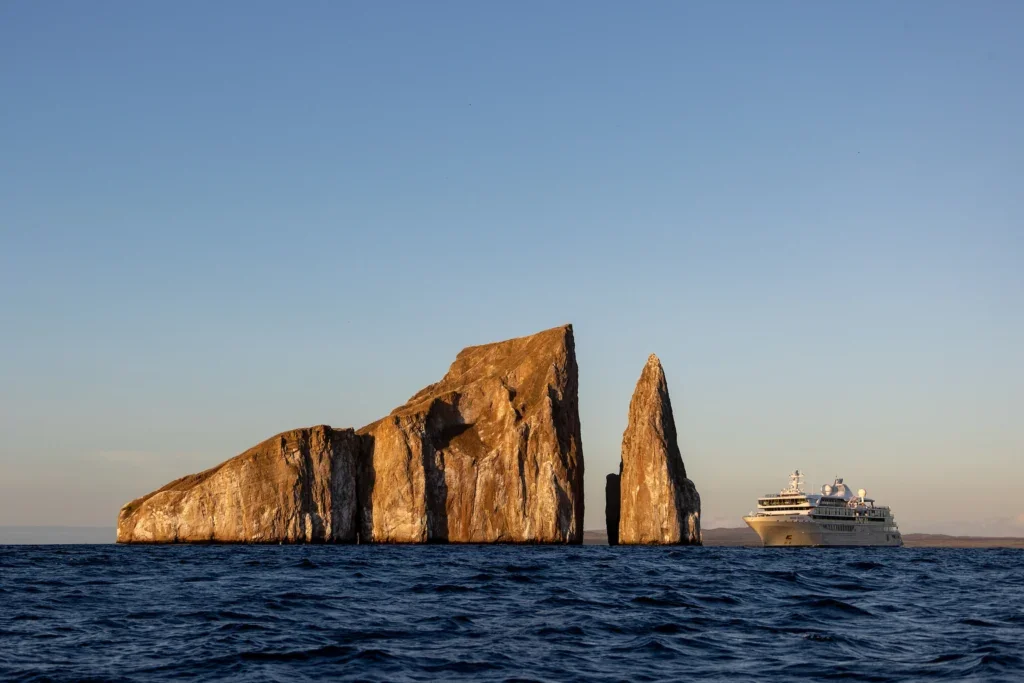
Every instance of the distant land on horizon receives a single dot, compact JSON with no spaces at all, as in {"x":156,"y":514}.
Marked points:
{"x":56,"y":535}
{"x":722,"y":537}
{"x":746,"y":538}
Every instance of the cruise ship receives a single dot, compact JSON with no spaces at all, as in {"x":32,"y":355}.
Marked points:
{"x":835,"y":517}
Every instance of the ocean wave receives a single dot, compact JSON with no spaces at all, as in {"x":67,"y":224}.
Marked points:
{"x":508,"y":613}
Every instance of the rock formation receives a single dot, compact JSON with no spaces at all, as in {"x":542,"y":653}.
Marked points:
{"x":298,"y":486}
{"x":612,"y":506}
{"x":491,"y":453}
{"x":659,"y":505}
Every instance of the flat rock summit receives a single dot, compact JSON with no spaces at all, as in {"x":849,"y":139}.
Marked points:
{"x":490,"y":454}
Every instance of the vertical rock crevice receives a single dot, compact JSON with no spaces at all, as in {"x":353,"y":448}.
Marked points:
{"x":612,"y":507}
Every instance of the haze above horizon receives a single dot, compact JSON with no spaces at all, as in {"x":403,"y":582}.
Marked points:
{"x":222,"y":221}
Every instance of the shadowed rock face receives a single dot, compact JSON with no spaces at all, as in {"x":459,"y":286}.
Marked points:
{"x":298,"y":486}
{"x":612,"y":507}
{"x":491,"y":453}
{"x":659,"y":505}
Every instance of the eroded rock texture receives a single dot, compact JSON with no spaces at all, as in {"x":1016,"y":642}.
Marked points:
{"x":298,"y":486}
{"x":659,"y":505}
{"x":491,"y":453}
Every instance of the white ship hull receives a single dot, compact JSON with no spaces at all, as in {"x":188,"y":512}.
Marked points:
{"x":803,"y":530}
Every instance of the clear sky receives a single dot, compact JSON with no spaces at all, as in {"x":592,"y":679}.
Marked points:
{"x":222,"y":220}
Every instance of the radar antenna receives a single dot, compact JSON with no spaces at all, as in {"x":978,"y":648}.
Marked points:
{"x":796,"y":483}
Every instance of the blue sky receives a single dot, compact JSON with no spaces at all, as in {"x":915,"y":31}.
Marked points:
{"x":219,"y":221}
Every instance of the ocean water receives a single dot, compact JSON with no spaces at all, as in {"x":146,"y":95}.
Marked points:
{"x":500,"y":613}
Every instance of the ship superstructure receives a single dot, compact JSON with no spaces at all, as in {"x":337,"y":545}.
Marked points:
{"x":835,"y":517}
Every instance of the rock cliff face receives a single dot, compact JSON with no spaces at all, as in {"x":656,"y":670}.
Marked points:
{"x":491,"y":453}
{"x":659,"y":505}
{"x":298,"y":486}
{"x":612,"y":506}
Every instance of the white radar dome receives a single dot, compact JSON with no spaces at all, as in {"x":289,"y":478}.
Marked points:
{"x":862,"y":493}
{"x":826,"y":489}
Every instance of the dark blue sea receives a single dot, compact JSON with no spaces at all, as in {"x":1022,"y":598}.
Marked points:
{"x":492,"y":613}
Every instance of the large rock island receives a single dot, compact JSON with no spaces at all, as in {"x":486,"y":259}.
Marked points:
{"x":655,"y":502}
{"x":299,"y":486}
{"x":490,"y":454}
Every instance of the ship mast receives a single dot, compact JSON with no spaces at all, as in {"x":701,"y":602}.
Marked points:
{"x":796,"y":483}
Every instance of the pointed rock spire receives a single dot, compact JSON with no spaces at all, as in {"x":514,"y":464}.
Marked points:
{"x":659,"y":505}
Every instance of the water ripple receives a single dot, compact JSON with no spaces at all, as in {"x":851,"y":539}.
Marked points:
{"x":424,"y":613}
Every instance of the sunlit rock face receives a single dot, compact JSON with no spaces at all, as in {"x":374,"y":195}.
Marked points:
{"x":298,"y":486}
{"x":490,"y":454}
{"x":658,"y":504}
